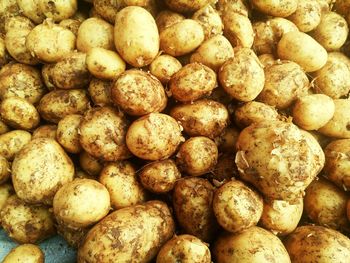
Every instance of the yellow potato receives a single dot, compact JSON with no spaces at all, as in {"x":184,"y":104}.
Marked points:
{"x":210,"y":20}
{"x":307,"y":16}
{"x":67,"y":133}
{"x":100,"y":92}
{"x":12,"y":142}
{"x":6,"y":190}
{"x":5,"y":170}
{"x":90,"y":164}
{"x":280,"y":8}
{"x":184,"y":6}
{"x":3,"y":127}
{"x":71,"y":24}
{"x":107,"y":9}
{"x":58,"y":10}
{"x":164,"y":67}
{"x":31,"y":9}
{"x":167,"y":18}
{"x":3,"y":53}
{"x":26,"y":253}
{"x":45,"y":131}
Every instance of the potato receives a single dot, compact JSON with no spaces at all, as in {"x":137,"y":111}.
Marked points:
{"x":5,"y":170}
{"x":280,"y":8}
{"x":136,"y":36}
{"x":184,"y":6}
{"x":285,"y":81}
{"x":108,"y":9}
{"x":45,"y":131}
{"x":18,"y":113}
{"x":307,"y":16}
{"x":325,"y":205}
{"x":225,"y":170}
{"x":154,"y":136}
{"x":202,"y":118}
{"x":254,"y":111}
{"x":318,"y":244}
{"x":12,"y":142}
{"x":6,"y":190}
{"x":338,"y":126}
{"x":3,"y":127}
{"x":138,"y":93}
{"x":68,"y":133}
{"x":242,"y":76}
{"x":46,"y":74}
{"x":254,"y":244}
{"x":210,"y":20}
{"x":26,"y":253}
{"x":100,"y":92}
{"x":32,"y":10}
{"x":213,"y":52}
{"x":120,"y":179}
{"x":104,"y":64}
{"x":236,"y":206}
{"x":49,"y":42}
{"x":39,"y":170}
{"x":102,"y":134}
{"x":4,"y":57}
{"x":280,"y":168}
{"x":58,"y":10}
{"x":281,"y":217}
{"x":102,"y":36}
{"x":267,"y":60}
{"x":181,"y":38}
{"x":19,"y":80}
{"x":192,"y":82}
{"x":25,"y":223}
{"x":192,"y":202}
{"x":184,"y":248}
{"x":73,"y":237}
{"x":164,"y":67}
{"x":71,"y":24}
{"x":227,"y":140}
{"x":57,"y":104}
{"x":90,"y":164}
{"x":167,"y":18}
{"x":238,"y":6}
{"x":151,"y":226}
{"x":160,"y":176}
{"x":313,"y":111}
{"x":302,"y":49}
{"x":8,"y":9}
{"x":331,"y":32}
{"x":151,"y":6}
{"x":197,"y":156}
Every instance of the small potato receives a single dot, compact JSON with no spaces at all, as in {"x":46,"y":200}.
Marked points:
{"x":19,"y":80}
{"x":100,"y":92}
{"x":108,"y":9}
{"x":5,"y":170}
{"x":81,"y":203}
{"x":317,"y":244}
{"x":227,"y":140}
{"x":307,"y":16}
{"x":45,"y":131}
{"x":8,"y":9}
{"x":331,"y":32}
{"x":90,"y":164}
{"x":181,"y":38}
{"x":160,"y":176}
{"x":102,"y":35}
{"x":202,"y":118}
{"x":25,"y":223}
{"x":3,"y":53}
{"x":71,"y":24}
{"x":102,"y":134}
{"x":57,"y":104}
{"x":40,"y":169}
{"x":267,"y":60}
{"x":213,"y":52}
{"x":242,"y":76}
{"x":18,"y":113}
{"x":280,"y":8}
{"x":184,"y":6}
{"x":73,"y":237}
{"x":12,"y":142}
{"x":138,"y":93}
{"x":192,"y":202}
{"x":26,"y":253}
{"x":236,"y":206}
{"x":58,"y":10}
{"x":6,"y":190}
{"x":120,"y":180}
{"x":167,"y":18}
{"x":184,"y":248}
{"x":281,"y":217}
{"x":67,"y":133}
{"x":164,"y":67}
{"x":210,"y":20}
{"x":104,"y":64}
{"x":302,"y":49}
{"x":285,"y":81}
{"x":254,"y":244}
{"x":49,"y":42}
{"x":197,"y":156}
{"x":151,"y":6}
{"x":136,"y":36}
{"x":32,"y":10}
{"x":154,"y":136}
{"x":238,"y":6}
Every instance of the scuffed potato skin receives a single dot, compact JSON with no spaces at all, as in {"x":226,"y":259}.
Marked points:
{"x":210,"y":20}
{"x":31,"y":253}
{"x":12,"y":142}
{"x":307,"y":16}
{"x":73,"y":237}
{"x":108,"y":9}
{"x":164,"y":67}
{"x":58,"y":10}
{"x":167,"y":18}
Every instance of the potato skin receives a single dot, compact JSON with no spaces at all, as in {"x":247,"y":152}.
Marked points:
{"x":12,"y":142}
{"x":280,"y":8}
{"x":40,"y":169}
{"x":107,"y":9}
{"x":5,"y":170}
{"x":100,"y":92}
{"x":210,"y":20}
{"x":45,"y":131}
{"x":30,"y":252}
{"x":31,"y":9}
{"x":110,"y":239}
{"x":307,"y":16}
{"x":184,"y":6}
{"x":164,"y":67}
{"x":68,"y":133}
{"x":167,"y":18}
{"x":6,"y":190}
{"x":71,"y":24}
{"x":58,"y":9}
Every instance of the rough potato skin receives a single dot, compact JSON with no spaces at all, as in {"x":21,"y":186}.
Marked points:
{"x":26,"y":223}
{"x":317,"y":244}
{"x":40,"y":169}
{"x":100,"y":92}
{"x":307,"y":16}
{"x":73,"y":237}
{"x":68,"y":133}
{"x":164,"y":67}
{"x":12,"y":142}
{"x":71,"y":24}
{"x":167,"y":18}
{"x":31,"y":253}
{"x":58,"y":9}
{"x":6,"y":190}
{"x":184,"y":6}
{"x":184,"y":248}
{"x":151,"y":225}
{"x":90,"y":164}
{"x":192,"y":202}
{"x":210,"y":20}
{"x":108,"y":9}
{"x":280,"y":8}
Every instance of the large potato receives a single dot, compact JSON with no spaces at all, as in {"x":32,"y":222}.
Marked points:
{"x":133,"y":233}
{"x":210,"y":20}
{"x":280,"y":8}
{"x":164,"y":67}
{"x":307,"y":16}
{"x":28,"y":252}
{"x":40,"y":169}
{"x":31,"y":9}
{"x":12,"y":142}
{"x":136,"y":36}
{"x":67,"y":133}
{"x":58,"y":10}
{"x":184,"y":6}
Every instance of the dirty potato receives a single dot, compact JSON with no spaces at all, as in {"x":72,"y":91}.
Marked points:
{"x":67,"y":133}
{"x":12,"y":142}
{"x":108,"y":9}
{"x":210,"y":20}
{"x":45,"y":131}
{"x":164,"y":67}
{"x":32,"y":10}
{"x":58,"y":10}
{"x":28,"y":252}
{"x":71,"y":24}
{"x":73,"y":237}
{"x":6,"y":190}
{"x":184,"y":6}
{"x":279,"y":8}
{"x":100,"y":92}
{"x":167,"y":18}
{"x":5,"y":170}
{"x":90,"y":164}
{"x":307,"y":16}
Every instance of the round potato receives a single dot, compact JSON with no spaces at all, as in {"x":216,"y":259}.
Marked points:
{"x":164,"y":67}
{"x":71,"y":24}
{"x":307,"y":16}
{"x":280,"y":8}
{"x":120,"y":179}
{"x":18,"y":113}
{"x":184,"y":248}
{"x":210,"y":20}
{"x":242,"y":76}
{"x":102,"y":134}
{"x":25,"y":223}
{"x":6,"y":190}
{"x":138,"y":93}
{"x":27,"y":253}
{"x":151,"y":225}
{"x":12,"y":142}
{"x":100,"y":92}
{"x":5,"y":170}
{"x":31,"y":9}
{"x":108,"y":9}
{"x":154,"y":136}
{"x":67,"y":133}
{"x":45,"y":131}
{"x":167,"y":18}
{"x":184,"y":6}
{"x":8,"y":9}
{"x":58,"y":10}
{"x":160,"y":176}
{"x":90,"y":164}
{"x":136,"y":36}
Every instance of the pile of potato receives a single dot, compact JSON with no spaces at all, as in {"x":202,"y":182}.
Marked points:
{"x":177,"y":130}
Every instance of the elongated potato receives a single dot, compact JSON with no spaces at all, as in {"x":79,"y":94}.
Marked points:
{"x":136,"y":36}
{"x":68,"y":133}
{"x":31,"y":9}
{"x":210,"y":20}
{"x":12,"y":142}
{"x":100,"y":92}
{"x":164,"y":67}
{"x":280,"y":8}
{"x":31,"y":253}
{"x":307,"y":16}
{"x":58,"y":10}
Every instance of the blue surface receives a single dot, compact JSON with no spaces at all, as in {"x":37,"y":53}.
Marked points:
{"x":56,"y":249}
